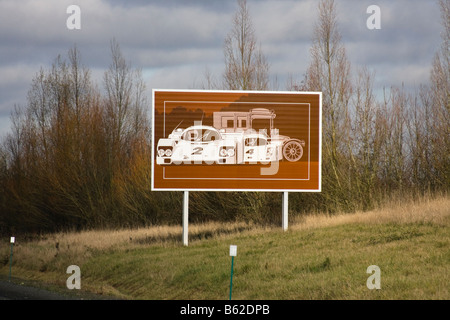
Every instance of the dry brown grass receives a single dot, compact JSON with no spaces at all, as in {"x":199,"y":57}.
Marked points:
{"x":43,"y":254}
{"x":117,"y":256}
{"x":50,"y":252}
{"x":423,"y":210}
{"x":106,"y":239}
{"x":80,"y":243}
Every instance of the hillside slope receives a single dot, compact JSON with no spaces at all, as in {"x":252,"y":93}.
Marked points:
{"x":319,"y":257}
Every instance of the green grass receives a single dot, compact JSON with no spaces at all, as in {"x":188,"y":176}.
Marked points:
{"x":328,"y":262}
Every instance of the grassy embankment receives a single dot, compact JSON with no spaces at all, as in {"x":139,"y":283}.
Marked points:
{"x":319,"y":257}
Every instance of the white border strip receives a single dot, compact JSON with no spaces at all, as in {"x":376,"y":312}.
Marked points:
{"x":319,"y":189}
{"x":245,"y":179}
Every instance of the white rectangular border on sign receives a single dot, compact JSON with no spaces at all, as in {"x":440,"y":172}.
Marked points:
{"x":319,"y":189}
{"x":236,"y":178}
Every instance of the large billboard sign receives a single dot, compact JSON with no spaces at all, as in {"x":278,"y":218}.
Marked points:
{"x":236,"y":140}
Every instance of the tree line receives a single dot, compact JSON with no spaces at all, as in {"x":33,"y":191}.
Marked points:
{"x":375,"y":146}
{"x":79,"y":157}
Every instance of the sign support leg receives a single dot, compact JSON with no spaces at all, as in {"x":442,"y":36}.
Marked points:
{"x":285,"y":211}
{"x":185,"y":217}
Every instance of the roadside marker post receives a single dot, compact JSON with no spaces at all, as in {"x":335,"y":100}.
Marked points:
{"x":13,"y":239}
{"x":233,"y":252}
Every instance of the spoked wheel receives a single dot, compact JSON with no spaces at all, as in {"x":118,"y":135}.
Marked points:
{"x":292,"y":151}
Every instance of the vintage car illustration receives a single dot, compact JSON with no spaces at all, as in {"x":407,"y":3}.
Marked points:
{"x":196,"y":145}
{"x":231,"y":140}
{"x":258,"y":148}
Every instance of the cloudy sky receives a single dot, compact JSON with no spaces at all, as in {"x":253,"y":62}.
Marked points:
{"x":174,"y":41}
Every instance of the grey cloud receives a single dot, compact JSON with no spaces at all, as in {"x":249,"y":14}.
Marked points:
{"x":174,"y":41}
{"x":283,"y":21}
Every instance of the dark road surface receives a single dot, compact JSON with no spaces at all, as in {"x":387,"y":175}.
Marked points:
{"x":17,"y":290}
{"x":14,"y":291}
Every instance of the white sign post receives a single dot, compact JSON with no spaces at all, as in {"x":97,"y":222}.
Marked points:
{"x":233,"y":251}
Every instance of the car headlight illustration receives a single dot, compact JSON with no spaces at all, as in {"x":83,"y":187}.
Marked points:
{"x":223,"y":152}
{"x":165,"y":152}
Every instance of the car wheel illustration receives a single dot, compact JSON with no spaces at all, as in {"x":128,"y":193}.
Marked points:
{"x":292,"y":151}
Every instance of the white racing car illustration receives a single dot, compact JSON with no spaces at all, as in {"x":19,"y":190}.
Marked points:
{"x":196,"y":145}
{"x":231,"y":140}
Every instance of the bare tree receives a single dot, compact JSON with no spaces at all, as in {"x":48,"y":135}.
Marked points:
{"x":440,"y":88}
{"x":118,"y":83}
{"x":419,"y":131}
{"x":440,"y":73}
{"x":246,"y":67}
{"x":329,"y":72}
{"x":363,"y":138}
{"x":209,"y":82}
{"x":125,"y":104}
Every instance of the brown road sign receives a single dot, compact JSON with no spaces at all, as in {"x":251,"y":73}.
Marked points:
{"x":236,"y":140}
